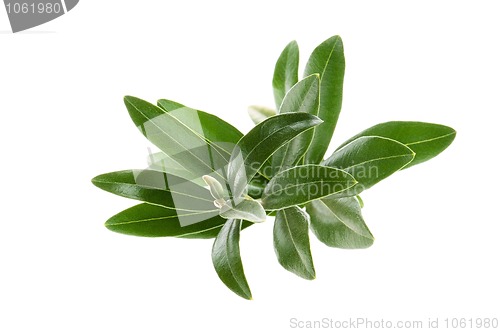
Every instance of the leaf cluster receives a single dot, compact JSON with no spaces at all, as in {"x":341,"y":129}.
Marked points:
{"x":211,"y":181}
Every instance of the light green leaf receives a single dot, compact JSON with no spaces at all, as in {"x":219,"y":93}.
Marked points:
{"x":227,"y":260}
{"x":301,"y":184}
{"x":338,"y":223}
{"x":360,"y":201}
{"x":302,"y":97}
{"x":291,"y":242}
{"x":427,"y":140}
{"x":370,"y":159}
{"x":199,"y":141}
{"x":160,"y":161}
{"x":261,"y":142}
{"x":158,"y":188}
{"x":155,"y":221}
{"x":286,"y":72}
{"x":169,"y":105}
{"x":260,"y":113}
{"x":246,"y":209}
{"x":216,"y":189}
{"x":328,"y":61}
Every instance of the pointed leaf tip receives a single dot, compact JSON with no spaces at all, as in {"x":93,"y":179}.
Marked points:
{"x":285,"y":72}
{"x":227,"y":260}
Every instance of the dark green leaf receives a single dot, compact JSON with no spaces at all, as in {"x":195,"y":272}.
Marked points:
{"x":246,"y":209}
{"x":302,"y":184}
{"x":370,"y":159}
{"x":427,"y":140}
{"x":199,"y":141}
{"x":328,"y":61}
{"x":227,"y":260}
{"x":261,"y":142}
{"x":302,"y":97}
{"x":256,"y":186}
{"x":155,"y":221}
{"x":158,"y":188}
{"x":260,"y":113}
{"x":286,"y":72}
{"x":338,"y":223}
{"x":291,"y":242}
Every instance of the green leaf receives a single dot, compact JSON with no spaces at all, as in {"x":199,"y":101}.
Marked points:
{"x":256,"y":186}
{"x":158,"y":188}
{"x":155,"y":221}
{"x":260,"y":113}
{"x":427,"y":140}
{"x":286,"y":72}
{"x":216,"y":189}
{"x":246,"y":209}
{"x":227,"y":260}
{"x":259,"y":144}
{"x":302,"y":97}
{"x":169,"y":105}
{"x":291,"y":242}
{"x":328,"y":61}
{"x":302,"y":184}
{"x":198,"y":141}
{"x":370,"y":159}
{"x":338,"y":223}
{"x":360,"y":201}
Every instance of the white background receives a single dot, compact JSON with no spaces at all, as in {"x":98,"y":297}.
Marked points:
{"x":63,"y":121}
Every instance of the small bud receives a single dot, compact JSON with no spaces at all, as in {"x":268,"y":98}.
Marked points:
{"x":215,"y":187}
{"x":260,"y":113}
